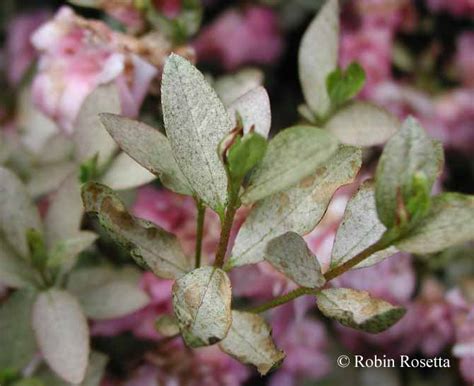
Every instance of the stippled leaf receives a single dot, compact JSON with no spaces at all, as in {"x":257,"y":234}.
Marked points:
{"x":149,"y":148}
{"x":47,"y":178}
{"x":357,"y":309}
{"x":292,"y":155}
{"x":408,"y":153}
{"x":232,"y":86}
{"x":363,"y":124}
{"x":18,"y":214}
{"x":89,"y":136}
{"x":125,"y":173}
{"x":290,"y":255}
{"x":62,"y":334}
{"x":149,"y":245}
{"x":249,"y":341}
{"x":64,"y":253}
{"x":450,"y":221}
{"x":195,"y":122}
{"x":342,"y":85}
{"x":318,"y":56}
{"x":17,"y":339}
{"x":360,"y":228}
{"x":167,"y":326}
{"x":254,"y":109}
{"x":14,"y":271}
{"x":298,"y":209}
{"x":201,"y":301}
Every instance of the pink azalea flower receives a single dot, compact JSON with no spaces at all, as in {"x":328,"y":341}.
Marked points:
{"x":77,"y":55}
{"x":461,"y":8}
{"x":20,"y":53}
{"x":464,"y":58}
{"x":237,"y":37}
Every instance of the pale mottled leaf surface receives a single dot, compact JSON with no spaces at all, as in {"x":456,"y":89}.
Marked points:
{"x":62,"y":334}
{"x":195,"y":122}
{"x":167,"y":326}
{"x":17,"y":212}
{"x":298,"y":209}
{"x":363,"y":124}
{"x":450,"y":221}
{"x":151,"y":246}
{"x":249,"y":341}
{"x":17,"y":339}
{"x":254,"y":109}
{"x":89,"y":136}
{"x":149,"y":148}
{"x":229,"y":87}
{"x":360,"y":228}
{"x":293,"y":154}
{"x":14,"y":271}
{"x":318,"y":56}
{"x":125,"y":173}
{"x":64,"y":253}
{"x":47,"y":178}
{"x":409,"y":151}
{"x":201,"y":302}
{"x":290,"y":255}
{"x":357,"y":309}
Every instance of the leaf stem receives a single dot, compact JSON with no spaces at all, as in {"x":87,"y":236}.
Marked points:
{"x":331,"y":274}
{"x":227,"y":227}
{"x":201,"y":214}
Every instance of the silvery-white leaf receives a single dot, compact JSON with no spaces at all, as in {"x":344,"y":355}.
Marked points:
{"x":58,"y":148}
{"x":292,"y":155}
{"x":318,"y":56}
{"x":254,"y":109}
{"x":360,"y":228}
{"x":201,"y":302}
{"x":149,"y":245}
{"x":167,"y":326}
{"x":14,"y":271}
{"x":149,"y":148}
{"x":232,"y":86}
{"x":408,"y":152}
{"x":125,"y":173}
{"x":298,"y":209}
{"x":290,"y":255}
{"x":47,"y":178}
{"x":89,"y":136}
{"x":112,"y":300}
{"x":249,"y":341}
{"x":357,"y":309}
{"x":17,"y":339}
{"x":64,"y":253}
{"x":450,"y":221}
{"x":62,"y":334}
{"x":65,"y":211}
{"x":18,"y":213}
{"x":195,"y":121}
{"x":363,"y":124}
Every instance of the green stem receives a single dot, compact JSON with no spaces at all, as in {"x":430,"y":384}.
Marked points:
{"x":227,"y":227}
{"x":201,"y":214}
{"x":331,"y":274}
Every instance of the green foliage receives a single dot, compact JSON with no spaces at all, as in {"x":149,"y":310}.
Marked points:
{"x":244,"y":154}
{"x":344,"y":85}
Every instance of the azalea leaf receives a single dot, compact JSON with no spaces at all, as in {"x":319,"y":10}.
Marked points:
{"x":298,"y":209}
{"x":362,"y":124}
{"x":410,"y":152}
{"x":195,"y":122}
{"x":89,"y":136}
{"x":344,"y":85}
{"x":167,"y":326}
{"x":290,"y":255}
{"x":47,"y":178}
{"x":230,"y":87}
{"x":65,"y":252}
{"x":249,"y":341}
{"x":357,"y":309}
{"x":360,"y":228}
{"x":254,"y":109}
{"x":17,"y":338}
{"x":149,"y":245}
{"x":18,"y":213}
{"x":125,"y":173}
{"x":201,"y":301}
{"x":292,"y":155}
{"x":318,"y":56}
{"x":450,"y":221}
{"x":14,"y":271}
{"x":62,"y":334}
{"x":244,"y":155}
{"x":149,"y":148}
